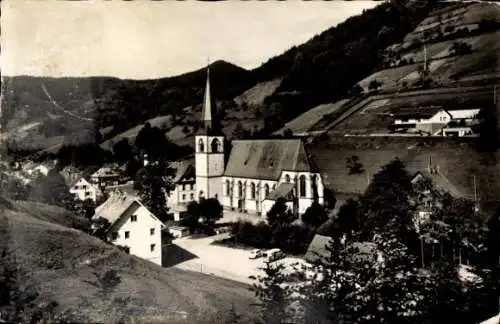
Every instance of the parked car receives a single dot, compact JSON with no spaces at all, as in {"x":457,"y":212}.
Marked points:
{"x":275,"y":255}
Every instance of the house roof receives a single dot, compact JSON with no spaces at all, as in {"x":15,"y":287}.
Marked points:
{"x":185,"y":170}
{"x":282,"y":191}
{"x":416,"y":112}
{"x":265,"y":159}
{"x":317,"y":249}
{"x":113,"y":208}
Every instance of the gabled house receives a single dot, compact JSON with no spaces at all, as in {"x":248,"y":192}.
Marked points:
{"x":106,"y":176}
{"x":83,"y":190}
{"x":435,"y":120}
{"x":132,"y":226}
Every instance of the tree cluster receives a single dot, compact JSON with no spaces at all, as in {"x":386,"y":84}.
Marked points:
{"x":374,"y":270}
{"x":200,"y":217}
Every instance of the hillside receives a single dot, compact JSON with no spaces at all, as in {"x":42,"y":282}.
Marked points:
{"x":305,"y":76}
{"x":461,"y":167}
{"x":458,"y":78}
{"x":64,"y":265}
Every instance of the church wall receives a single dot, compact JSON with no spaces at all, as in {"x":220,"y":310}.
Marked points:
{"x":253,"y":206}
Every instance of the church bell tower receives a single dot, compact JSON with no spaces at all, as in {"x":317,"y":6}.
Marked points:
{"x":209,"y":147}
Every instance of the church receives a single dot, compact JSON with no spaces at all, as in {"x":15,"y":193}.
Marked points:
{"x":246,"y":176}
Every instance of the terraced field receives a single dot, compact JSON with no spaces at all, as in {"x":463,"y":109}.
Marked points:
{"x":373,"y":116}
{"x":308,"y":119}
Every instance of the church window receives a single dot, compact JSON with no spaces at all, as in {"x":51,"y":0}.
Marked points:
{"x":266,"y":190}
{"x":191,"y":196}
{"x":201,"y":146}
{"x":287,"y":178}
{"x":252,"y":190}
{"x":240,"y":189}
{"x":228,"y":188}
{"x":302,"y":186}
{"x":183,"y":197}
{"x":215,"y":145}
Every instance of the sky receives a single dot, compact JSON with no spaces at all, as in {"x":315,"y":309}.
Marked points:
{"x":151,"y":39}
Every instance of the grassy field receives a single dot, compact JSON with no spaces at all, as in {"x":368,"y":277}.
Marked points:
{"x":160,"y":122}
{"x":458,"y":162}
{"x":308,"y":119}
{"x":65,"y":264}
{"x":256,"y":95}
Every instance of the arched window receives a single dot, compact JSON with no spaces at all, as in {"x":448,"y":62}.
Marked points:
{"x":201,"y":146}
{"x":191,"y":196}
{"x":240,"y":189}
{"x":183,"y":197}
{"x":252,"y":190}
{"x":228,"y":188}
{"x":215,"y":145}
{"x":287,"y":178}
{"x":266,"y":190}
{"x":302,"y":186}
{"x":314,"y":186}
{"x":201,"y":193}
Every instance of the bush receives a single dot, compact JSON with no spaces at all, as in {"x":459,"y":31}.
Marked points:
{"x":291,"y":238}
{"x":257,"y":236}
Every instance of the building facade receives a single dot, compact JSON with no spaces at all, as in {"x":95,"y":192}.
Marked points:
{"x":84,"y":190}
{"x":256,"y":174}
{"x":133,"y":226}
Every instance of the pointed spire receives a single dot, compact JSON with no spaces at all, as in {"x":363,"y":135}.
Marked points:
{"x":208,"y":114}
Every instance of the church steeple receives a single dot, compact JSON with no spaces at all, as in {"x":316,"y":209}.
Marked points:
{"x":209,"y":112}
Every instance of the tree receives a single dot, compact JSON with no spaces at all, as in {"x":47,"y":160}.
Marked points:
{"x":279,"y":213}
{"x":52,"y":190}
{"x":347,"y":217}
{"x":202,"y":215}
{"x":315,"y":215}
{"x":239,"y":131}
{"x":153,"y":183}
{"x":122,"y":150}
{"x":288,"y":133}
{"x":460,"y":48}
{"x":355,"y":91}
{"x":272,"y":293}
{"x":388,"y":197}
{"x":354,"y":165}
{"x":329,"y":198}
{"x":374,"y":85}
{"x":210,"y":211}
{"x":99,"y":228}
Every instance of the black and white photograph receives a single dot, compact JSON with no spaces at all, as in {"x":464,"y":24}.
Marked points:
{"x":250,"y":162}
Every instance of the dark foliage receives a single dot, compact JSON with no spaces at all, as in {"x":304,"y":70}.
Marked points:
{"x":51,"y":190}
{"x":201,"y":216}
{"x":246,"y":233}
{"x":354,"y":165}
{"x":152,"y":183}
{"x":315,"y":215}
{"x":387,"y":198}
{"x":122,"y":150}
{"x":280,"y":213}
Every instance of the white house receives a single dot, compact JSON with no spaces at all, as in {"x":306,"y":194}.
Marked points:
{"x":84,"y":190}
{"x":251,"y":175}
{"x":435,"y":120}
{"x":133,"y":226}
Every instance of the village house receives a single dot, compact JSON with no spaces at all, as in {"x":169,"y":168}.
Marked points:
{"x":256,"y":174}
{"x":133,"y":226}
{"x":106,"y":176}
{"x":435,"y":120}
{"x":83,"y":190}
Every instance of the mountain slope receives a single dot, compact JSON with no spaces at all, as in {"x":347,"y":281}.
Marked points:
{"x":315,"y":72}
{"x":64,"y":265}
